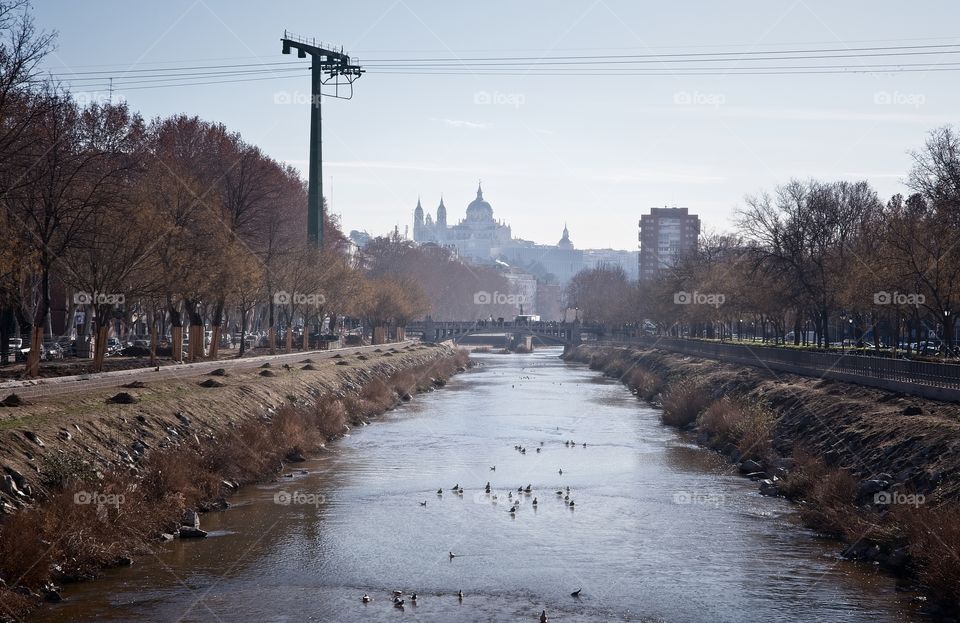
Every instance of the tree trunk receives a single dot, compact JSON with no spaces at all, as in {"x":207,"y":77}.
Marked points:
{"x":217,"y":325}
{"x":153,"y":343}
{"x":288,"y":346}
{"x":272,"y":331}
{"x":6,"y":317}
{"x":100,"y":345}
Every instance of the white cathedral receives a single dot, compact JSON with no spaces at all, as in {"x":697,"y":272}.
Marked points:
{"x":485,"y":240}
{"x":478,"y":236}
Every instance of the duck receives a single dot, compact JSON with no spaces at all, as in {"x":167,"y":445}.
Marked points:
{"x":397,"y":593}
{"x":566,"y":498}
{"x":584,"y":444}
{"x":510,"y":495}
{"x":455,"y":487}
{"x":424,"y":503}
{"x":520,"y":489}
{"x":413,"y":598}
{"x":528,"y":489}
{"x":534,"y":501}
{"x":572,"y":504}
{"x":460,"y":595}
{"x":439,"y":491}
{"x":366,"y":598}
{"x":398,"y":603}
{"x":523,"y":450}
{"x":513,"y":509}
{"x":561,"y":471}
{"x":452,"y":555}
{"x":576,"y":593}
{"x":543,"y":616}
{"x":460,"y":491}
{"x":538,"y":450}
{"x":493,"y":468}
{"x":559,"y":492}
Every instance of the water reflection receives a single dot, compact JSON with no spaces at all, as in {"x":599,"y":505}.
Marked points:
{"x":661,"y":531}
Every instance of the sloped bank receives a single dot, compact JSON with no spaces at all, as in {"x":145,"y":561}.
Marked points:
{"x":91,"y":481}
{"x":878,"y":470}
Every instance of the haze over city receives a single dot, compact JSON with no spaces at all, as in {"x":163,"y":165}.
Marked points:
{"x":588,"y":149}
{"x":515,"y":311}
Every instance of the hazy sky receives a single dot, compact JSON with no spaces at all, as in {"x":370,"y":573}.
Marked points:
{"x":590,"y":151}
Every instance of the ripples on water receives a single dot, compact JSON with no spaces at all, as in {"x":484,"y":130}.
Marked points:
{"x":662,"y":531}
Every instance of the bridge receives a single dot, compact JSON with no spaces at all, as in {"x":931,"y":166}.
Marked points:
{"x":502,"y":333}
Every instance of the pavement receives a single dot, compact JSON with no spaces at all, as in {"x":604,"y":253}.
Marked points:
{"x":61,"y":385}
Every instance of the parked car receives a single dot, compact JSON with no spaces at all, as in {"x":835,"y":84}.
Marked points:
{"x":51,"y":350}
{"x":19,"y":348}
{"x":113,"y":346}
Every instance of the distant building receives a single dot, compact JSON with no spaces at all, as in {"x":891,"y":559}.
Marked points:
{"x":665,"y":235}
{"x":552,"y":263}
{"x":478,"y":236}
{"x":523,"y":291}
{"x":600,"y":258}
{"x":482,"y":239}
{"x":550,"y":302}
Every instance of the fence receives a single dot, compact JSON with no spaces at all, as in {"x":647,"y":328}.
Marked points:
{"x":939,"y":381}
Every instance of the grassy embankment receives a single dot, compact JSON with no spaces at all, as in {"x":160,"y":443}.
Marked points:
{"x":724,"y":407}
{"x":55,"y":539}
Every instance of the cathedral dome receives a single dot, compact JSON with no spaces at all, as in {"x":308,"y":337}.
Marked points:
{"x":479,"y":210}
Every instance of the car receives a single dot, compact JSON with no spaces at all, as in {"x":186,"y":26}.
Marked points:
{"x":51,"y":350}
{"x":113,"y":346}
{"x":19,"y":348}
{"x":141,"y":343}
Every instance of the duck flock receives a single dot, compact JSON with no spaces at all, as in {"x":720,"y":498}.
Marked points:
{"x":515,"y":499}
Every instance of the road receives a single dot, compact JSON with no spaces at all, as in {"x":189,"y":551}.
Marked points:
{"x":59,"y":386}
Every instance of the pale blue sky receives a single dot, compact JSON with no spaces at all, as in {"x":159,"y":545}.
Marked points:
{"x":594,"y":152}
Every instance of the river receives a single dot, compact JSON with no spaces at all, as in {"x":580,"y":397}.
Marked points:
{"x":661,"y":530}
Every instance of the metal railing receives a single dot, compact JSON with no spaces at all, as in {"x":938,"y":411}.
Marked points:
{"x":940,"y":381}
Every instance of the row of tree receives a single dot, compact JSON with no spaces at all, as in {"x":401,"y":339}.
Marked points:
{"x":172,"y":223}
{"x":812,"y":261}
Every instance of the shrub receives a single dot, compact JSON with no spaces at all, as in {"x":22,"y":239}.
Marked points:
{"x":646,"y":383}
{"x":934,"y":536}
{"x":682,"y":402}
{"x":830,"y":504}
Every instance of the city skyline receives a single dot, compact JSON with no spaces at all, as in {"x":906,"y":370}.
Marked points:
{"x":594,"y":152}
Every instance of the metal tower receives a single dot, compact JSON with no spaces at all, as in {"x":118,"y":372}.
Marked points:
{"x":328,"y":67}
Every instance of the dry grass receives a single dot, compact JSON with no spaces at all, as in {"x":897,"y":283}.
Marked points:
{"x":934,"y":538}
{"x":683,"y":402}
{"x":807,"y":471}
{"x":830,"y":504}
{"x":83,"y":538}
{"x":645,"y":383}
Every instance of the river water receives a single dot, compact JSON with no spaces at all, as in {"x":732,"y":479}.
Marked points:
{"x":661,"y":530}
